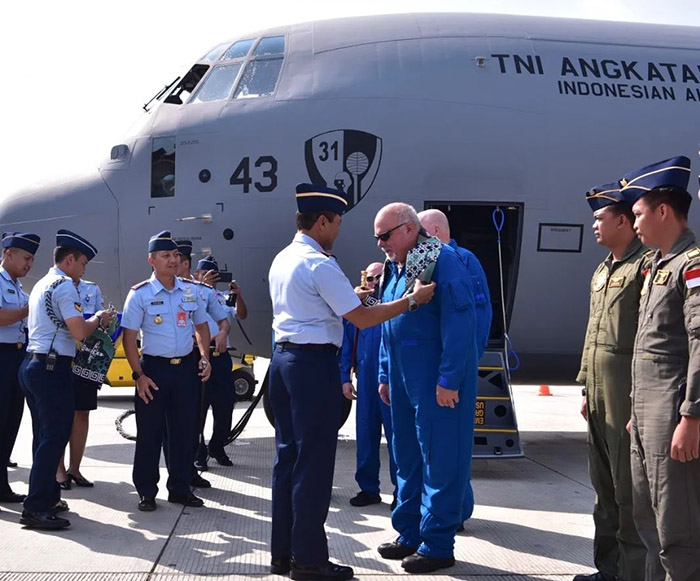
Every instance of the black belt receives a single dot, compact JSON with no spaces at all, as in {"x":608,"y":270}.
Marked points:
{"x":11,"y":346}
{"x":309,"y":346}
{"x":42,"y":357}
{"x":169,"y":360}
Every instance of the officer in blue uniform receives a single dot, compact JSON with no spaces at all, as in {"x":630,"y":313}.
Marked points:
{"x":219,"y":393}
{"x":55,"y":324}
{"x":166,"y":310}
{"x":360,"y":353}
{"x":309,"y":295}
{"x":85,"y":400}
{"x":429,"y":358}
{"x":18,"y":249}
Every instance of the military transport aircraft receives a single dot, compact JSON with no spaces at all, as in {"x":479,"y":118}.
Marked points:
{"x":502,"y":122}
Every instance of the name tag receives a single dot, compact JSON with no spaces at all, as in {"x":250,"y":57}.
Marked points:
{"x":661,"y":277}
{"x":616,"y":281}
{"x":156,"y":302}
{"x":11,"y":291}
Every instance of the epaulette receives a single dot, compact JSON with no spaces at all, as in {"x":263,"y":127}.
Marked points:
{"x":88,"y":281}
{"x":200,"y":283}
{"x":693,"y":253}
{"x":140,"y":284}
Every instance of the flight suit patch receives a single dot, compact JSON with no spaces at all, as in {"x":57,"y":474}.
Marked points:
{"x":616,"y":281}
{"x":661,"y":277}
{"x":600,"y":280}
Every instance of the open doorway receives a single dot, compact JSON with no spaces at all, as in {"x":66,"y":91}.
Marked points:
{"x":474,"y":227}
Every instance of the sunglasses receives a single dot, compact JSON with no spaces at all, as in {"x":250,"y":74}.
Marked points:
{"x":371,"y":278}
{"x":384,"y":236}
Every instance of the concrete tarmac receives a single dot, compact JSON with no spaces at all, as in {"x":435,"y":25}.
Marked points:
{"x":532,"y":519}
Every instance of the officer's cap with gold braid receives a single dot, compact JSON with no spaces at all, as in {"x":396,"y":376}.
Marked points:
{"x":184,"y":247}
{"x":68,"y":239}
{"x":670,"y":173}
{"x":604,"y":195}
{"x":22,"y":240}
{"x":311,"y":198}
{"x":162,"y":241}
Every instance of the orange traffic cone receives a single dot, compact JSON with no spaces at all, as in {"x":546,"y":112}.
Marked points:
{"x":544,"y":390}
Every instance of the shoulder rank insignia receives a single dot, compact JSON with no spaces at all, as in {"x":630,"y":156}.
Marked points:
{"x":600,"y":280}
{"x":661,"y":277}
{"x":137,"y":286}
{"x":616,"y":281}
{"x":693,"y":253}
{"x":200,"y":283}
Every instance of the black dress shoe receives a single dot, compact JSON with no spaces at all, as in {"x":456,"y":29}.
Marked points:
{"x":147,"y":504}
{"x":43,"y":520}
{"x":60,"y":506}
{"x":186,"y":499}
{"x":395,"y":550}
{"x":65,"y":484}
{"x":423,"y":564}
{"x":592,"y":577}
{"x":12,"y":497}
{"x":199,"y":482}
{"x":365,"y":499}
{"x":201,"y":465}
{"x":280,"y":566}
{"x":223,"y":460}
{"x":80,"y":480}
{"x":11,"y":464}
{"x":326,"y":572}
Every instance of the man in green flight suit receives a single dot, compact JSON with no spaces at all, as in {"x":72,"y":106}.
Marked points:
{"x":665,"y":422}
{"x":606,"y":371}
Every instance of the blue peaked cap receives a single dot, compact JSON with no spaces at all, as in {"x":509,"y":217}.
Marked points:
{"x":184,"y":247}
{"x":670,"y":173}
{"x":162,"y":241}
{"x":605,"y":195}
{"x":311,"y":198}
{"x":208,"y":263}
{"x":68,"y":239}
{"x":24,"y":240}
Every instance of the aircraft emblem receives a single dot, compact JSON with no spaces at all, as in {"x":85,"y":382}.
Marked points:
{"x":345,"y":159}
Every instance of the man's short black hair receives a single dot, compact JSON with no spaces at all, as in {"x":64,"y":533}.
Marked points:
{"x":678,"y":200}
{"x":306,"y":220}
{"x":60,"y":253}
{"x":622,"y":209}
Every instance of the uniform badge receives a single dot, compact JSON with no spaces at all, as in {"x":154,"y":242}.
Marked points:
{"x":600,"y":280}
{"x":692,"y":278}
{"x":158,"y":320}
{"x":661,"y":277}
{"x":694,"y":253}
{"x":182,"y":319}
{"x":188,"y":298}
{"x":616,"y":281}
{"x":78,"y":307}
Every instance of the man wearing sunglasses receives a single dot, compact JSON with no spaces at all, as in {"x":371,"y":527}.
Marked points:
{"x":310,"y":296}
{"x":428,"y":374}
{"x":361,"y":353}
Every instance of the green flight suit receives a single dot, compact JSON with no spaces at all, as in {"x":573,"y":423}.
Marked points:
{"x":606,"y":370}
{"x":666,"y":381}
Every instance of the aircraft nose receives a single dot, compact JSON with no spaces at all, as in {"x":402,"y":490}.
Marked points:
{"x":82,"y":204}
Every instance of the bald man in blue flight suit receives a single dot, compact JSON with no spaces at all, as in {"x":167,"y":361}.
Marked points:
{"x":428,"y":374}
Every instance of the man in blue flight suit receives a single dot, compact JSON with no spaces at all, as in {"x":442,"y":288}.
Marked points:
{"x":18,"y":249}
{"x":219,"y":392}
{"x":166,"y":310}
{"x":429,"y":358}
{"x":309,"y":295}
{"x":361,"y":352}
{"x":55,"y":323}
{"x":436,"y":224}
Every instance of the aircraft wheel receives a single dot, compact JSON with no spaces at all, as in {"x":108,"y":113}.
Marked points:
{"x":344,"y":413}
{"x":243,"y":384}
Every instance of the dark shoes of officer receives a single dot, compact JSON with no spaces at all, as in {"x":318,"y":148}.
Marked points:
{"x":11,"y":464}
{"x":9,"y":496}
{"x":199,"y":482}
{"x":43,"y":520}
{"x":60,"y":506}
{"x":280,"y":566}
{"x":365,"y":499}
{"x":223,"y":460}
{"x":186,"y":499}
{"x":418,"y":563}
{"x":395,"y":550}
{"x":326,"y":572}
{"x":592,"y":577}
{"x":147,"y":504}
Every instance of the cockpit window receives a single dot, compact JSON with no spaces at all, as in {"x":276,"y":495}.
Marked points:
{"x":259,"y":79}
{"x":269,"y":46}
{"x":218,"y":84}
{"x":239,"y":49}
{"x":187,"y":85}
{"x":163,"y":167}
{"x":214,"y":54}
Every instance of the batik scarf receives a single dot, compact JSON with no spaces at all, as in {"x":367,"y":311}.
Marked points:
{"x":420,"y":261}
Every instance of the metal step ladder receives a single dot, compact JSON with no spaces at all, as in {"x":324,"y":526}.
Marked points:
{"x":495,"y":426}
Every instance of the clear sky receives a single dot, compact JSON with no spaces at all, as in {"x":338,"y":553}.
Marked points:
{"x":76,"y":73}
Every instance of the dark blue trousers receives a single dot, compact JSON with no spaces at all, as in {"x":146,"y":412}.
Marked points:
{"x":51,"y":402}
{"x":11,"y":408}
{"x":305,"y":394}
{"x":220,"y":395}
{"x":168,"y":414}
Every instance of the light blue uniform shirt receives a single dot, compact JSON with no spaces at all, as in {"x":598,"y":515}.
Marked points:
{"x":12,"y":297}
{"x":65,"y":303}
{"x":309,"y":294}
{"x":90,"y":298}
{"x":220,"y":300}
{"x":214,"y":304}
{"x":166,"y":318}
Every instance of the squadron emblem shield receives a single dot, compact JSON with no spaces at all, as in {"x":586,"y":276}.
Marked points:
{"x":345,"y":159}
